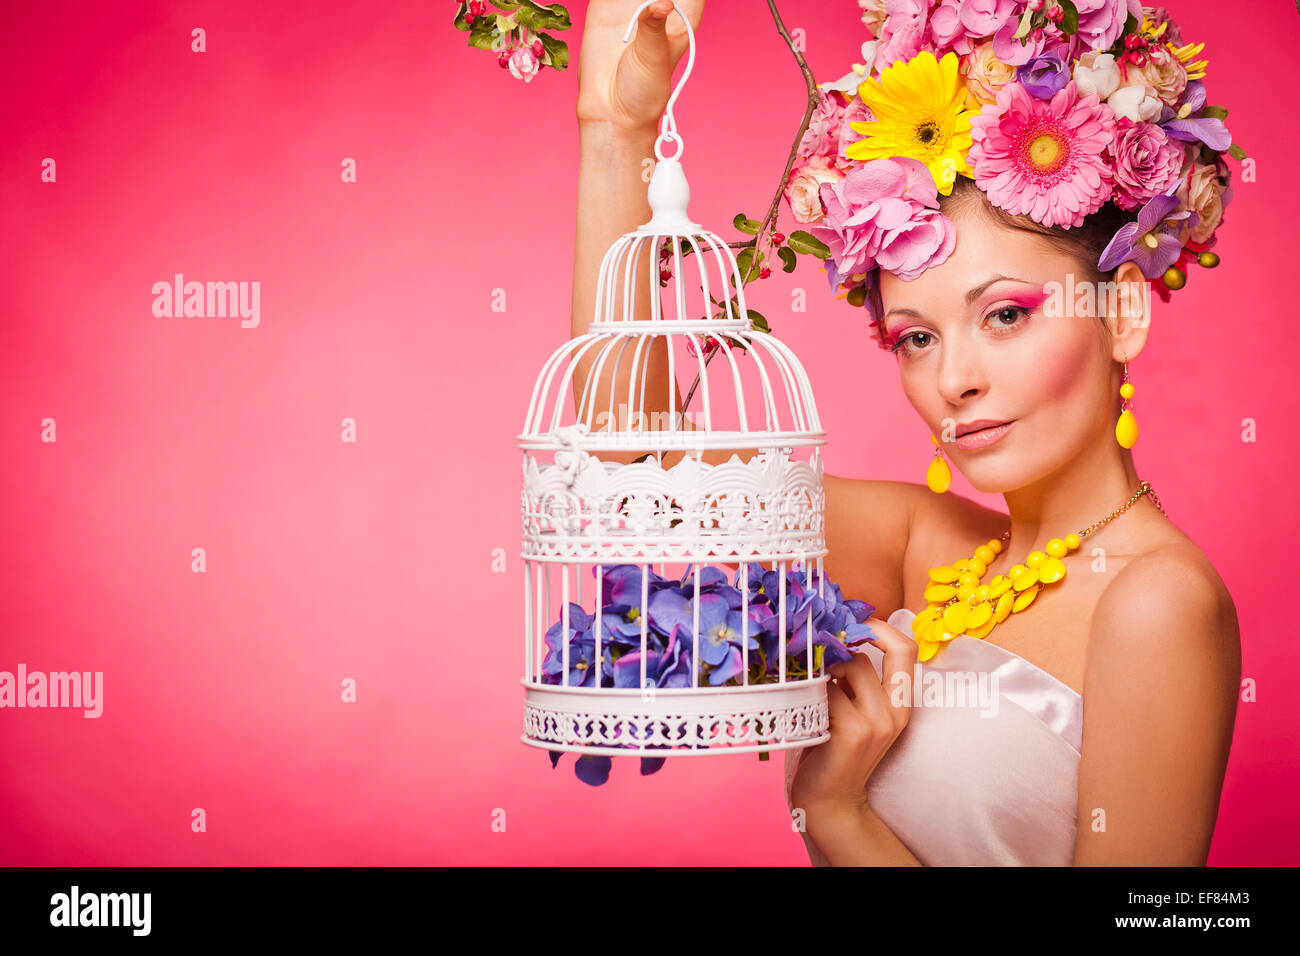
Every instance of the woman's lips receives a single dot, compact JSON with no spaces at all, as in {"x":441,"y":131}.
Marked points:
{"x":972,"y":441}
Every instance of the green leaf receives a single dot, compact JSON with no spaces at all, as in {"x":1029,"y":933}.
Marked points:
{"x":484,"y":34}
{"x":1023,"y":29}
{"x":745,"y":224}
{"x":1069,"y":22}
{"x":808,"y":244}
{"x":857,"y":296}
{"x":788,"y":258}
{"x":1236,"y":152}
{"x":758,"y":320}
{"x":556,"y":52}
{"x":460,"y":22}
{"x":537,"y":16}
{"x":745,"y":263}
{"x":1215,"y":112}
{"x":482,"y":39}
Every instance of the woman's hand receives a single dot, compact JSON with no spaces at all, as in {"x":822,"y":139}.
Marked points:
{"x":627,"y":85}
{"x":865,"y":722}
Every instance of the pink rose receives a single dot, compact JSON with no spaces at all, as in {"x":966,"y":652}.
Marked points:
{"x":1203,"y":194}
{"x":802,"y":192}
{"x":885,"y":213}
{"x":986,"y":74}
{"x":1165,"y":74}
{"x":1145,"y":162}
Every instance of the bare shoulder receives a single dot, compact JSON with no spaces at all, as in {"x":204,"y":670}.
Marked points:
{"x":1168,"y":599}
{"x":868,"y":525}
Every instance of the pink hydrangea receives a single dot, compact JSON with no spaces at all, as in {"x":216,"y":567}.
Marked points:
{"x":1102,"y":21}
{"x":903,"y":34}
{"x":884,"y":213}
{"x":822,"y":138}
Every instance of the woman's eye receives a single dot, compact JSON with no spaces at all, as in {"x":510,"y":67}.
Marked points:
{"x":1013,"y":312}
{"x":920,"y":340}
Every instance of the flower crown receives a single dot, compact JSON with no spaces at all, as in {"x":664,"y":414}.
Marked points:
{"x":1053,"y":108}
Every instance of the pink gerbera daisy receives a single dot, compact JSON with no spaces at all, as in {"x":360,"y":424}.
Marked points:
{"x":1043,"y":158}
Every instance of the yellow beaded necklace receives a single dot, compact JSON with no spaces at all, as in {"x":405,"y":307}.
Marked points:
{"x":959,"y":603}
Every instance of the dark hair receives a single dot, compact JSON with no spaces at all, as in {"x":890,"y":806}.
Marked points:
{"x":1085,"y":242}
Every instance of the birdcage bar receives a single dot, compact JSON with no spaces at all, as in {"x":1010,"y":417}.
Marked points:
{"x":564,"y":616}
{"x":582,"y":512}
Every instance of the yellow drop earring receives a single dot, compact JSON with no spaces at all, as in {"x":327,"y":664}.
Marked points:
{"x":938,"y":476}
{"x":1126,"y":429}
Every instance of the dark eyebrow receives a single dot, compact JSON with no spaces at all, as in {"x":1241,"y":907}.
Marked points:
{"x":971,"y":296}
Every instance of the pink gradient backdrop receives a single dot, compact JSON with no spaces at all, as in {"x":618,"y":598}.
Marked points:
{"x":373,"y":561}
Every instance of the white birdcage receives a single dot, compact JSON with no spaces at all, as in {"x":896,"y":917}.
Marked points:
{"x":606,"y":524}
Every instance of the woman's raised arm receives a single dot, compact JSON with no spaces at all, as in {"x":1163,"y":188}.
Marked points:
{"x":623,"y":89}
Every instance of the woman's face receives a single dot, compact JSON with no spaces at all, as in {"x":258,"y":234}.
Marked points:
{"x":974,"y":346}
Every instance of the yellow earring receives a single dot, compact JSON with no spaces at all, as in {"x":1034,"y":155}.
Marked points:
{"x":1126,"y":429}
{"x":938,"y":476}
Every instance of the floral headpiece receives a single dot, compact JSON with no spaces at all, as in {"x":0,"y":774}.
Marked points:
{"x":1052,"y":107}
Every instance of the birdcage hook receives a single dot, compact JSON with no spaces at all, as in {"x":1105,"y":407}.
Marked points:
{"x":668,"y":125}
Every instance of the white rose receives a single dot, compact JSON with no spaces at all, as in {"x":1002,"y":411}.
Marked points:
{"x":803,"y":191}
{"x":1138,"y":103}
{"x":1097,"y":73}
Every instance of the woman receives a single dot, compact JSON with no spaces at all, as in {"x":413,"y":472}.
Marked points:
{"x":1118,"y":691}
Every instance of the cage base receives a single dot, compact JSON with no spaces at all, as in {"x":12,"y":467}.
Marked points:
{"x":676,"y":722}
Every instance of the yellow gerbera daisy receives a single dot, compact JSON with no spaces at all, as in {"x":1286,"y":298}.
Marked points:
{"x":921,"y":110}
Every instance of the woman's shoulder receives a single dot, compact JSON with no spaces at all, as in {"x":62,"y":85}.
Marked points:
{"x":1167,"y":598}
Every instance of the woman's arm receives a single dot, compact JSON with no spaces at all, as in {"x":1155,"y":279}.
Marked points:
{"x":623,"y":89}
{"x":854,"y":836}
{"x":1160,"y":699}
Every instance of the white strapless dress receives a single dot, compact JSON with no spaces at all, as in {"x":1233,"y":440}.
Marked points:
{"x":988,"y":779}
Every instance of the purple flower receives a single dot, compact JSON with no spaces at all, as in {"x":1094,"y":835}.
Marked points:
{"x":1152,"y":241}
{"x":666,"y":667}
{"x":1044,"y":76}
{"x":582,"y":653}
{"x":621,"y":610}
{"x":1189,"y":128}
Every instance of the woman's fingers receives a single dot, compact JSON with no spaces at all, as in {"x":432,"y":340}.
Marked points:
{"x":897,"y":668}
{"x":650,"y":44}
{"x":878,"y":696}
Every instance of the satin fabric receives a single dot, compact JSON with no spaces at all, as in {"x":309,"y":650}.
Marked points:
{"x":992,"y":781}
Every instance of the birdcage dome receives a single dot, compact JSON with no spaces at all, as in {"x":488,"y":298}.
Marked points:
{"x":620,"y":528}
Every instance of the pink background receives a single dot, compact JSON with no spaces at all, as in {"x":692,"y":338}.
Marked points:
{"x":372,"y":560}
